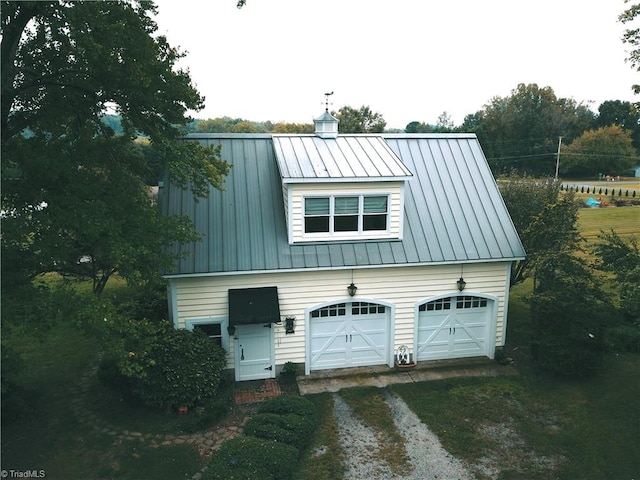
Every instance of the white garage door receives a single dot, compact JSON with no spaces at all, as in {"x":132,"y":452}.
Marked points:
{"x":350,"y":334}
{"x":454,"y":327}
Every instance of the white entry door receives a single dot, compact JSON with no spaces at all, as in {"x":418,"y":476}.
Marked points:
{"x":454,"y":327}
{"x":349,"y":334}
{"x":253,"y":355}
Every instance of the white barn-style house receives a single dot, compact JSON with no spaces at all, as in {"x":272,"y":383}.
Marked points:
{"x":333,"y":250}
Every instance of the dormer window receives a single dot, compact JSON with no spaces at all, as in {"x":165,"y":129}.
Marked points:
{"x":338,"y":214}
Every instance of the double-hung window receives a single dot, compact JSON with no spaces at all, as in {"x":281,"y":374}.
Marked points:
{"x":346,"y":213}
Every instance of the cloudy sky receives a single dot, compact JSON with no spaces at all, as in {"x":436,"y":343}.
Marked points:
{"x":406,"y":59}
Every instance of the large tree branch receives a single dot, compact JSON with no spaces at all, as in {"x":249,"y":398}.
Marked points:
{"x":14,"y":22}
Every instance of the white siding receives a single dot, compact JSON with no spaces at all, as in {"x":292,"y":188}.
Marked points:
{"x":402,"y":287}
{"x":297,"y":192}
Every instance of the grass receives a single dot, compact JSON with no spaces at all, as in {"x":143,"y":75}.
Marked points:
{"x":323,"y":460}
{"x":624,"y":220}
{"x":41,"y":429}
{"x":540,"y":427}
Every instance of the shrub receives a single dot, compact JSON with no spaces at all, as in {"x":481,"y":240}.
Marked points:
{"x":246,"y":457}
{"x":184,"y":369}
{"x":163,"y":367}
{"x":290,"y":428}
{"x":625,"y":338}
{"x":285,"y":404}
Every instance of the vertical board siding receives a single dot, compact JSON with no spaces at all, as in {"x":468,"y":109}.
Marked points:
{"x":297,"y":291}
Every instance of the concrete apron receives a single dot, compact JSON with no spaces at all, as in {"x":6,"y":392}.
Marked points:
{"x":381,"y":375}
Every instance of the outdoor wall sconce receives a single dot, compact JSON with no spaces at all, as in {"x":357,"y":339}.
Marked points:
{"x":461,"y":284}
{"x":290,"y":325}
{"x":232,"y":330}
{"x":352,"y":289}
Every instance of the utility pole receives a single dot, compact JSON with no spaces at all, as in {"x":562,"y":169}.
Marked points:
{"x":558,"y":156}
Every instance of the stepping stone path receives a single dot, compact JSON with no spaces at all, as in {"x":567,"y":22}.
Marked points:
{"x":206,"y":442}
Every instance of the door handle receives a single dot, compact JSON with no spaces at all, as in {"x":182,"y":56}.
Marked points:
{"x":350,"y":338}
{"x":242,"y":354}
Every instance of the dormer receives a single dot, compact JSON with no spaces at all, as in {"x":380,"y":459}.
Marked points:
{"x":326,"y":125}
{"x":340,"y":188}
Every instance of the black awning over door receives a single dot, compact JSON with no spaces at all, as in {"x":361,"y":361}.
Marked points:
{"x":253,"y":305}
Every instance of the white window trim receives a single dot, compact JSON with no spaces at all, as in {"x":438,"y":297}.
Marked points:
{"x":191,"y":323}
{"x":360,"y":233}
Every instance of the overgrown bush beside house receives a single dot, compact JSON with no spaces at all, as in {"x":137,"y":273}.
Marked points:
{"x":163,"y":367}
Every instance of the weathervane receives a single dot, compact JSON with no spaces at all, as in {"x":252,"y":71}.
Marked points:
{"x":326,"y":100}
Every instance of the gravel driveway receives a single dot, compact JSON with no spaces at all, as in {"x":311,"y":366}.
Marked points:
{"x":429,"y":461}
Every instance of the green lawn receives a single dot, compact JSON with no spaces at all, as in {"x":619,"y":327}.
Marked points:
{"x":624,"y":220}
{"x":539,"y":427}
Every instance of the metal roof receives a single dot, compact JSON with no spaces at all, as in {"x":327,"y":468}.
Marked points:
{"x":347,"y":158}
{"x":453,"y":210}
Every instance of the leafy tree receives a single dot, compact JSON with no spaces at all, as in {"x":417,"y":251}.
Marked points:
{"x":569,"y":312}
{"x":216,"y":125}
{"x":74,"y":190}
{"x":625,"y":114}
{"x":521,"y":131}
{"x":605,"y":150}
{"x":284,"y":127}
{"x":359,"y":121}
{"x":247,"y":127}
{"x":623,"y":260}
{"x":632,"y":37}
{"x":544,"y":217}
{"x":445,"y":124}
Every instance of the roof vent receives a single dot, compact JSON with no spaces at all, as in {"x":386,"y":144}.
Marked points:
{"x":326,"y":124}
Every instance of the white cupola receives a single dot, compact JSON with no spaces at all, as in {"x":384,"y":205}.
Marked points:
{"x":326,"y":125}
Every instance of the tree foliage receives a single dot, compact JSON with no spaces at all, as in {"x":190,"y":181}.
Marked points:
{"x":569,"y":312}
{"x":607,"y":150}
{"x":632,"y":38}
{"x":445,"y":124}
{"x":73,"y":189}
{"x":624,"y":114}
{"x":521,"y":131}
{"x":545,"y":220}
{"x":362,"y":120}
{"x":623,"y":260}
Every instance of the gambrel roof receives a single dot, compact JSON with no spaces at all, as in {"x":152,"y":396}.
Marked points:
{"x":453,"y":211}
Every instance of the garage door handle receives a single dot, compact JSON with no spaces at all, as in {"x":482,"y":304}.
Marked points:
{"x":350,"y":338}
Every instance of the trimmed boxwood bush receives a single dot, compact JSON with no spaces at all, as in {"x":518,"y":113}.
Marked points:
{"x":289,"y":428}
{"x":290,"y":404}
{"x":247,"y":457}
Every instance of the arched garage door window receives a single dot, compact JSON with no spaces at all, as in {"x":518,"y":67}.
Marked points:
{"x":349,"y":334}
{"x":454,"y":327}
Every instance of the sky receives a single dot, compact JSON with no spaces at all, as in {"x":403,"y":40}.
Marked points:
{"x":409,"y":60}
